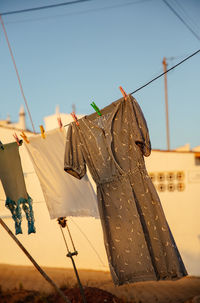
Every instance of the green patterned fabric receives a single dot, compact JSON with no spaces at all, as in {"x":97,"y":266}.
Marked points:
{"x":12,"y":178}
{"x":16,"y":212}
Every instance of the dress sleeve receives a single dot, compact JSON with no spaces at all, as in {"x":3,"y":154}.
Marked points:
{"x":142,"y":140}
{"x":74,"y":162}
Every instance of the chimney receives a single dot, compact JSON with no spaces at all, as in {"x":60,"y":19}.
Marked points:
{"x":8,"y":119}
{"x":22,"y":119}
{"x":57,"y":110}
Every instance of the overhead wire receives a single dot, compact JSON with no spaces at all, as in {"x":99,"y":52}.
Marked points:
{"x":80,"y":12}
{"x":78,"y":1}
{"x":186,"y":15}
{"x":16,"y":70}
{"x":43,"y":7}
{"x":71,"y":3}
{"x":172,"y":59}
{"x":182,"y":20}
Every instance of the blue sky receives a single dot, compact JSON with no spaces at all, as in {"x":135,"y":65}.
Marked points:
{"x":84,"y":52}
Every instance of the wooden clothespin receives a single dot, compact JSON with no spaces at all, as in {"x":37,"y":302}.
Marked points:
{"x":42,"y":131}
{"x":75,"y":118}
{"x":24,"y":137}
{"x":60,"y":123}
{"x":1,"y":145}
{"x":123,"y":92}
{"x":19,"y":142}
{"x":96,"y":108}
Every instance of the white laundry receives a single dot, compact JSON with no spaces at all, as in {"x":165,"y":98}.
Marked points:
{"x":64,"y":194}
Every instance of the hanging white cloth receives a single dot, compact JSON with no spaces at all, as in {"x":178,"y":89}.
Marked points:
{"x":64,"y":194}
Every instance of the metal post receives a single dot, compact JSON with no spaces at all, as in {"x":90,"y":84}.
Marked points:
{"x":63,"y":223}
{"x":70,"y":255}
{"x":166,"y":103}
{"x":60,"y":292}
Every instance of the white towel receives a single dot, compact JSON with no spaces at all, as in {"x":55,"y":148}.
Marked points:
{"x":64,"y":194}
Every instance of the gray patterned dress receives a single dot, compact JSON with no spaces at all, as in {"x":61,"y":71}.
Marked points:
{"x":137,"y":238}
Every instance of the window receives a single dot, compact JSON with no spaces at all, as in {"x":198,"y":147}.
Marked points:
{"x":161,"y":177}
{"x":170,"y":187}
{"x":152,"y":176}
{"x":170,"y":176}
{"x":161,"y":187}
{"x":180,"y":186}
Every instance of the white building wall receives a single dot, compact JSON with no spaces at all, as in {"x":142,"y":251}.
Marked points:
{"x":51,"y":122}
{"x":47,"y":246}
{"x":182,"y":208}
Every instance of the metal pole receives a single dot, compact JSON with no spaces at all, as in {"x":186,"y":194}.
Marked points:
{"x":60,"y":292}
{"x":70,"y":255}
{"x":166,"y":103}
{"x":62,"y":221}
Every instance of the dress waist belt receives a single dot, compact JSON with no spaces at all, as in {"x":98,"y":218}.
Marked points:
{"x":119,"y":177}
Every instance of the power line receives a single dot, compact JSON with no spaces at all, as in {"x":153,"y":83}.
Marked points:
{"x":92,"y":10}
{"x":187,"y":16}
{"x":181,"y":19}
{"x":195,"y":53}
{"x":18,"y":77}
{"x":43,"y":7}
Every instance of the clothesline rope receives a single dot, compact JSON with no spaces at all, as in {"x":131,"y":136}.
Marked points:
{"x":80,"y":230}
{"x":21,"y":88}
{"x":168,"y":70}
{"x":90,"y":243}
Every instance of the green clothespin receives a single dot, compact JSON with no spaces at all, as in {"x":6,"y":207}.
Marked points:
{"x":96,"y":108}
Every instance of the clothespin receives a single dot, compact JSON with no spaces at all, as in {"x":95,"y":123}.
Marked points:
{"x":60,"y":122}
{"x":62,"y":221}
{"x":1,"y":145}
{"x":123,"y":92}
{"x":19,"y":142}
{"x":75,"y":118}
{"x":42,"y":131}
{"x":24,"y":137}
{"x":96,"y":108}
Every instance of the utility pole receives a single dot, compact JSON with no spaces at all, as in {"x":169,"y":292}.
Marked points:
{"x":166,"y":103}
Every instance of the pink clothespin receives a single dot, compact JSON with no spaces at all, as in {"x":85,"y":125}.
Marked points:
{"x":24,"y":137}
{"x":123,"y":92}
{"x":60,"y":123}
{"x":75,"y":118}
{"x":19,"y":142}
